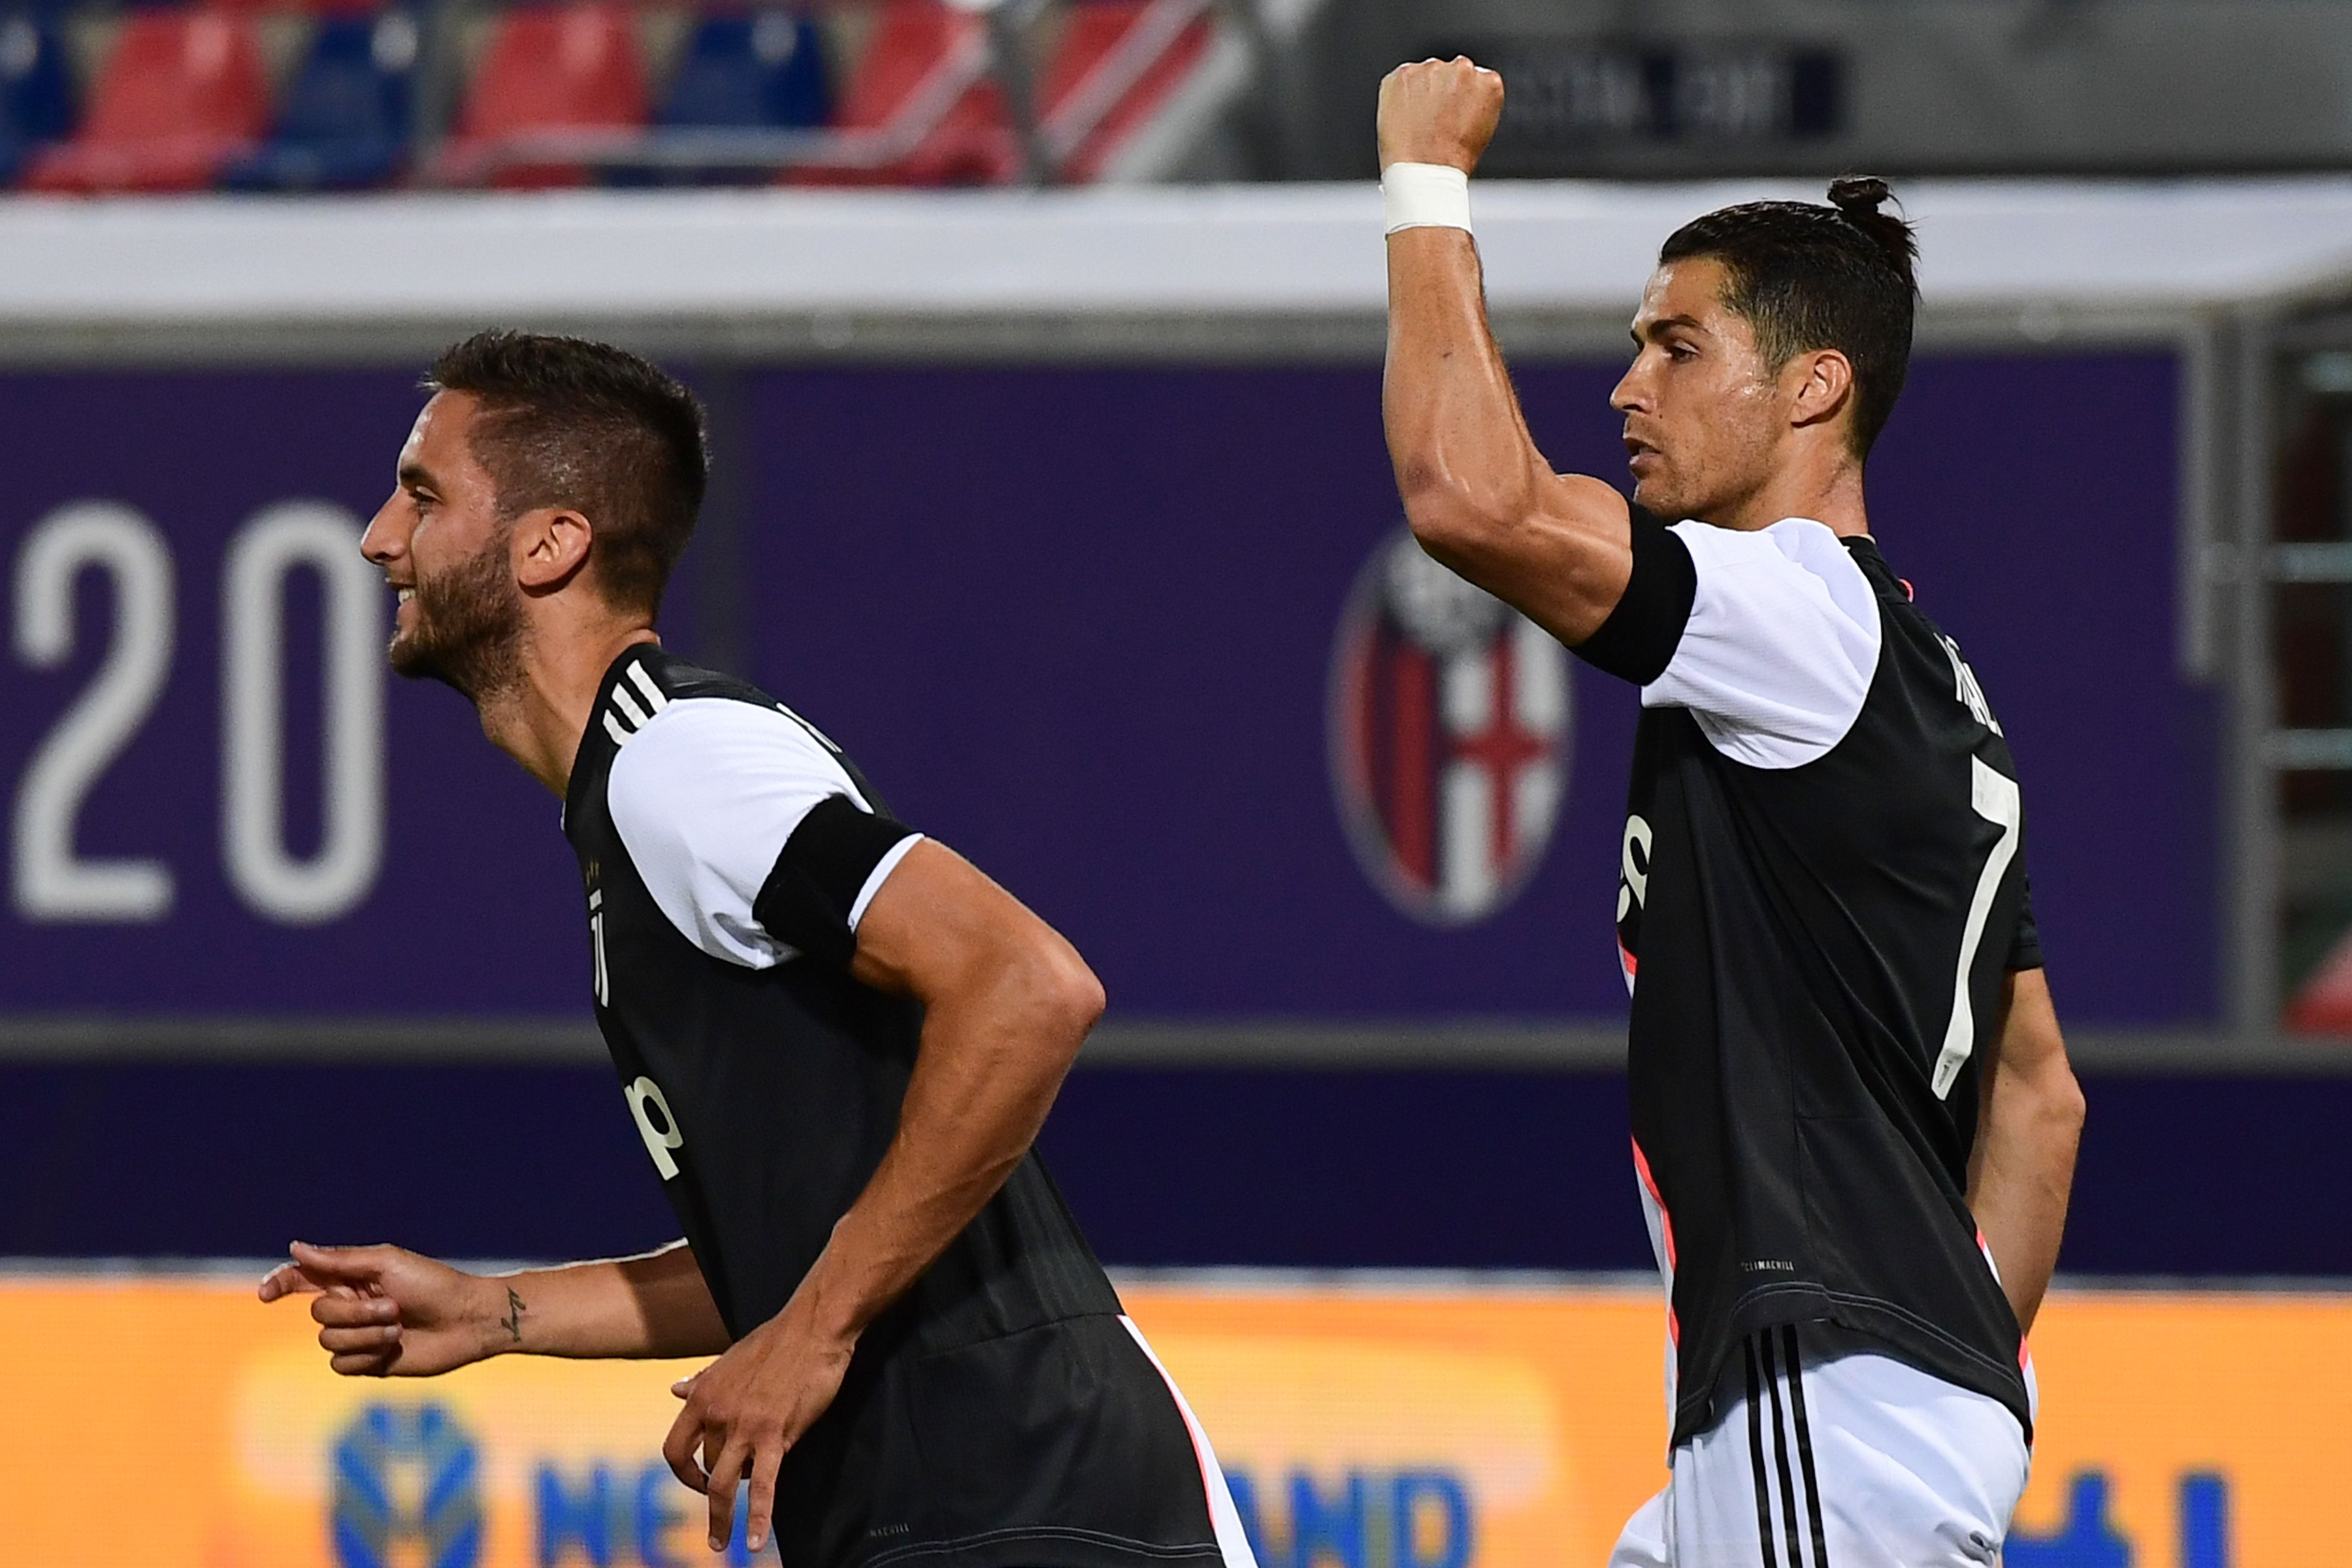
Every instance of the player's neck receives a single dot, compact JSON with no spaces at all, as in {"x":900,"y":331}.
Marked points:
{"x":1831,"y":495}
{"x":540,"y":719}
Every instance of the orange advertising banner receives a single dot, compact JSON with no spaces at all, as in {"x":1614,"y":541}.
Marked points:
{"x":175,"y":1423}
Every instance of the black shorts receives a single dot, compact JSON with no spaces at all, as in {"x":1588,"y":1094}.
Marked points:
{"x":1060,"y":1445}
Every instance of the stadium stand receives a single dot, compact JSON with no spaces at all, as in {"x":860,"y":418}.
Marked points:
{"x":548,"y":68}
{"x":741,"y":72}
{"x":1113,"y":63}
{"x":179,"y":94}
{"x":560,"y":93}
{"x":1116,"y":62}
{"x":345,"y":121}
{"x":37,"y":105}
{"x":763,"y":70}
{"x":927,"y":64}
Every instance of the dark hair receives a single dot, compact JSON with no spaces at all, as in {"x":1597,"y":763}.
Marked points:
{"x":1810,"y":277}
{"x":569,"y":423}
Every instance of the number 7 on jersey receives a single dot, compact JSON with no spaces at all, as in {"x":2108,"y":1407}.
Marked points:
{"x":1999,"y":801}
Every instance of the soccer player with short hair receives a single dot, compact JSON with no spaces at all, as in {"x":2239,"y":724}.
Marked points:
{"x":1854,"y":1125}
{"x":836,"y":1038}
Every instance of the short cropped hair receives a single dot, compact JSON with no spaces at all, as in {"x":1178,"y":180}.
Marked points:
{"x":1808,"y":276}
{"x":565,"y":422}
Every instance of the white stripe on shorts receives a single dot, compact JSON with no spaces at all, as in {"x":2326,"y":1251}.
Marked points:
{"x":1834,"y":1460}
{"x":1232,"y":1539}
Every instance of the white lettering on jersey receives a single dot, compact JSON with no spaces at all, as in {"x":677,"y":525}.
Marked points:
{"x":1966,"y":690}
{"x":645,"y":1095}
{"x":1635,"y":888}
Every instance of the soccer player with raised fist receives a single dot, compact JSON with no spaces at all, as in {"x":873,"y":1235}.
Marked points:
{"x":1853,"y":1121}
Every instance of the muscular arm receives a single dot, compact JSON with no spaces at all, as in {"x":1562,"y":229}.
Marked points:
{"x":2023,"y":1164}
{"x":1007,"y":1004}
{"x":1480,"y":497}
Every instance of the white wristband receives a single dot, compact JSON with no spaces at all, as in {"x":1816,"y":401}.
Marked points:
{"x":1426,"y":195}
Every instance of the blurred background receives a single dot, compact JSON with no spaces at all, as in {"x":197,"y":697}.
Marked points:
{"x":1041,"y":343}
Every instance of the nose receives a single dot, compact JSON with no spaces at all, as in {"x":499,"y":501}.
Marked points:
{"x":1630,"y":393}
{"x":386,"y":538}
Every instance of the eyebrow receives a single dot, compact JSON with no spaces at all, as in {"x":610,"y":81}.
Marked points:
{"x":414,"y":474}
{"x":1661,"y":324}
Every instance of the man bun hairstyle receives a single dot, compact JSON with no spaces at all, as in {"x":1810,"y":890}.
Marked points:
{"x":569,"y":423}
{"x":1809,"y":276}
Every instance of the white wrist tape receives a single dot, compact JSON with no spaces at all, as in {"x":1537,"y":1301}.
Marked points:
{"x":1426,"y":195}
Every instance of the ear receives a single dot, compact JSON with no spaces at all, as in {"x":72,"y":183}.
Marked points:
{"x":1819,"y":383}
{"x":551,"y":545}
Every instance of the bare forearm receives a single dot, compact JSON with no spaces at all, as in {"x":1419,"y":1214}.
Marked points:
{"x":990,"y":1066}
{"x":650,"y":1306}
{"x":1456,"y":437}
{"x":2023,"y":1174}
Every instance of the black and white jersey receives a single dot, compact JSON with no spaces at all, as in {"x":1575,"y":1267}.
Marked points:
{"x":1822,"y":888}
{"x":1005,"y":1412}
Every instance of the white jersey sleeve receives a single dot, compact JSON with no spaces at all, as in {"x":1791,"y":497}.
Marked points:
{"x":1782,"y":642}
{"x":724,"y":806}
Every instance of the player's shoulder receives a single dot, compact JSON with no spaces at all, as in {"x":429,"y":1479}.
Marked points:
{"x":687,"y":734}
{"x":1796,"y":556}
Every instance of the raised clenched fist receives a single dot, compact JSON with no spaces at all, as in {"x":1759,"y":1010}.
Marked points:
{"x":1439,"y":112}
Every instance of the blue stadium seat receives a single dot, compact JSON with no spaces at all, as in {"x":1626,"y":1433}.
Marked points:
{"x":37,"y":102}
{"x":741,"y":71}
{"x":344,"y":123}
{"x":766,"y":68}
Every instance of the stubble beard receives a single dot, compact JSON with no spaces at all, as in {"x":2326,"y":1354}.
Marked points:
{"x":468,"y":628}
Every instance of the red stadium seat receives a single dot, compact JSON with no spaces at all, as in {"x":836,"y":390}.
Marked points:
{"x":974,"y":144}
{"x":552,"y":68}
{"x":181,"y":92}
{"x":1093,"y":33}
{"x":913,"y":41}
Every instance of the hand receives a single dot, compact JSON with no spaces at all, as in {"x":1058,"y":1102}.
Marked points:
{"x":745,"y":1411}
{"x":1439,"y":112}
{"x":385,"y":1312}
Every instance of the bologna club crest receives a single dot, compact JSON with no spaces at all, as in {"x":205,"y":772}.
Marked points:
{"x":1449,"y":737}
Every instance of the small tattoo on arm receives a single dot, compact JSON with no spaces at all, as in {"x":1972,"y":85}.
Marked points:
{"x":512,"y":1321}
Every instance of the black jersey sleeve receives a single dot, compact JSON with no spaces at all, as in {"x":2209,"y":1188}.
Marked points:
{"x":1638,"y":640}
{"x":2025,"y":947}
{"x":830,"y":867}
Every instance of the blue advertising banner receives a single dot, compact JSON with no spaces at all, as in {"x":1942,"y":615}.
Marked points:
{"x":1142,"y":642}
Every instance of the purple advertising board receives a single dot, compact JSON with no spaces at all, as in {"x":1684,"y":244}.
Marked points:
{"x":1141,"y":641}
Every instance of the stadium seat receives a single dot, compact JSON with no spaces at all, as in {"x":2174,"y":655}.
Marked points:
{"x":35,"y":90}
{"x":757,"y":71}
{"x":180,"y":93}
{"x":1089,"y":40}
{"x":974,"y":144}
{"x":766,"y":69}
{"x":912,"y":40}
{"x":552,"y":68}
{"x":344,"y":122}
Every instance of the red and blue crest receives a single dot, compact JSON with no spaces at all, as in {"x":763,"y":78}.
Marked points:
{"x":1449,"y":732}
